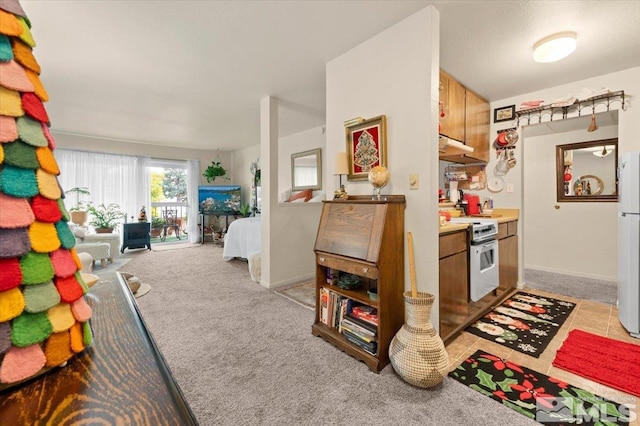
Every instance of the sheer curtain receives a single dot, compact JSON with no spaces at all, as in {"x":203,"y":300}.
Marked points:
{"x":193,"y":180}
{"x":119,"y":179}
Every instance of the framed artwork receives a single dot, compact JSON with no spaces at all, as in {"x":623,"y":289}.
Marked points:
{"x":504,"y":114}
{"x":366,"y":146}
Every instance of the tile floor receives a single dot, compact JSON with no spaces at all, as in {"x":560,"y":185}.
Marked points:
{"x":594,"y":317}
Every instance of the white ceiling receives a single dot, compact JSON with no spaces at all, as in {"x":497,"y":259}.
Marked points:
{"x":192,"y":73}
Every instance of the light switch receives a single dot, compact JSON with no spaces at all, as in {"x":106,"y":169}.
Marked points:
{"x":414,"y":181}
{"x":509,"y":187}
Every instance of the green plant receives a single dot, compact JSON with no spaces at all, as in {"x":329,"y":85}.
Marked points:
{"x":245,"y":209}
{"x":105,"y":216}
{"x":78,"y":190}
{"x":157,"y":222}
{"x":214,"y":171}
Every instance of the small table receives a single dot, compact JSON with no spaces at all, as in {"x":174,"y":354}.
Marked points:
{"x":121,"y":379}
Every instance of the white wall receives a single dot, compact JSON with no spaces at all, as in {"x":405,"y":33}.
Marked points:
{"x":396,"y":74}
{"x":299,"y":142}
{"x":242,"y":176}
{"x":628,"y":140}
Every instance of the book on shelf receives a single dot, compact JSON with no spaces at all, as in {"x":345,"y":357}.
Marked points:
{"x":365,"y":313}
{"x":361,"y":323}
{"x":332,"y":276}
{"x":359,"y":333}
{"x":371,"y":347}
{"x":324,"y":305}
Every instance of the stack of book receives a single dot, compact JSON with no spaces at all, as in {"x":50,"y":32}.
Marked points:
{"x":361,"y":333}
{"x":358,"y":323}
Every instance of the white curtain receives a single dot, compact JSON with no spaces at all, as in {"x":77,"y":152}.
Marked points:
{"x":110,"y":178}
{"x":193,"y":180}
{"x":143,"y":188}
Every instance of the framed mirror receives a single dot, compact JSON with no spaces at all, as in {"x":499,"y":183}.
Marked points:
{"x":586,"y":171}
{"x":306,"y":170}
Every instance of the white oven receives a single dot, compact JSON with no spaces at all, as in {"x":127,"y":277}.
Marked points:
{"x":483,"y":256}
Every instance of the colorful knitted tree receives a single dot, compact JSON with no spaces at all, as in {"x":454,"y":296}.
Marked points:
{"x":43,"y":312}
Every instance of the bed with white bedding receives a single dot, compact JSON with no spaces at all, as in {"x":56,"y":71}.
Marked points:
{"x":243,"y":238}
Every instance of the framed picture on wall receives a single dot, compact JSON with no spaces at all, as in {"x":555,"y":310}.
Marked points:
{"x":504,"y":114}
{"x":366,"y":145}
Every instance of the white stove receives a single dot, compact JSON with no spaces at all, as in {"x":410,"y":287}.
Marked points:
{"x":483,"y":256}
{"x":482,"y":230}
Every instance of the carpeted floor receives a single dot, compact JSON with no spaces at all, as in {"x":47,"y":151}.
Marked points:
{"x":568,"y":285}
{"x":244,"y":355}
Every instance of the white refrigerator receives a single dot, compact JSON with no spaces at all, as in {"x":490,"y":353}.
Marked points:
{"x":629,"y":242}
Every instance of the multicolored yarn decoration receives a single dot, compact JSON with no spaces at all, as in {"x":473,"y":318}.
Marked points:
{"x":44,"y":317}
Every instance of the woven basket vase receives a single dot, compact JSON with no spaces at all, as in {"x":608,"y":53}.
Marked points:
{"x":417,"y":352}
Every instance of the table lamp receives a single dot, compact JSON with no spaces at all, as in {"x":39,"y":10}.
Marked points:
{"x":341,"y":168}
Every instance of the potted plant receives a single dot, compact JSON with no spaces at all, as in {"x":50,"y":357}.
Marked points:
{"x":156,"y":226}
{"x":105,"y":217}
{"x":245,"y":209}
{"x":215,"y":170}
{"x":79,"y":211}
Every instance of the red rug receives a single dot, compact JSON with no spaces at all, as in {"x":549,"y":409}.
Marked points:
{"x":603,"y":360}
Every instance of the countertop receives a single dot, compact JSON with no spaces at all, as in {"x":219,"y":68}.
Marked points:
{"x":501,"y":215}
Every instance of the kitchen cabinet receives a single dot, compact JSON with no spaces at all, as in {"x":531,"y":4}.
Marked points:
{"x":477,"y":126}
{"x":454,"y":282}
{"x":452,"y":108}
{"x":508,"y":255}
{"x":464,"y":116}
{"x":456,"y":309}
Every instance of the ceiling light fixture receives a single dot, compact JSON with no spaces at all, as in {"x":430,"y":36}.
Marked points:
{"x":604,"y":152}
{"x":554,"y":47}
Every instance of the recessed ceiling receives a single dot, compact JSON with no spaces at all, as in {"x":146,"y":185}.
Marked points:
{"x":192,"y":73}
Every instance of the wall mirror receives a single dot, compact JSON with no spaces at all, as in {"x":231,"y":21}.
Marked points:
{"x":306,"y":170}
{"x":586,"y":171}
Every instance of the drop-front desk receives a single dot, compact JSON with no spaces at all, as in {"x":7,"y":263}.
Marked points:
{"x":121,"y":379}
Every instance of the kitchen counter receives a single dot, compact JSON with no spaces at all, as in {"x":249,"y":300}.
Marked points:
{"x":501,"y":215}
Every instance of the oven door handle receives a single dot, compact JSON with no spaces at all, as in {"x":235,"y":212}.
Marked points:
{"x":484,"y":241}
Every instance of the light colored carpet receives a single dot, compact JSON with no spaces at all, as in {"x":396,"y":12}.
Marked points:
{"x":568,"y":285}
{"x":173,"y":245}
{"x":244,"y":355}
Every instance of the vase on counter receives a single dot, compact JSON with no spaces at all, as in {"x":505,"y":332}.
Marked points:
{"x":417,"y":352}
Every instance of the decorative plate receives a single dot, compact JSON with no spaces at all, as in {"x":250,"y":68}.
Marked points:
{"x":495,"y":184}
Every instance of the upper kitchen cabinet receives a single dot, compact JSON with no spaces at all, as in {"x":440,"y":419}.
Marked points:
{"x":452,"y":108}
{"x":464,"y":116}
{"x":476,"y":126}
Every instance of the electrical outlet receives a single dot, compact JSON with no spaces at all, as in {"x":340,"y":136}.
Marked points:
{"x":414,"y":180}
{"x":509,"y":187}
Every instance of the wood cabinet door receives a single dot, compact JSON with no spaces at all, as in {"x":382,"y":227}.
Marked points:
{"x":477,"y":126}
{"x":454,"y":292}
{"x":452,"y":98}
{"x":508,"y":262}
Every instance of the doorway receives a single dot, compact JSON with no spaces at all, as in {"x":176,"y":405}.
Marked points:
{"x":564,"y":241}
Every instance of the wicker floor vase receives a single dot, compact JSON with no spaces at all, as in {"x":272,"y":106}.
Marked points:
{"x":417,"y":352}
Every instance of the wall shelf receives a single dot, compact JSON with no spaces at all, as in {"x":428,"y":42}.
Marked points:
{"x":546,"y":113}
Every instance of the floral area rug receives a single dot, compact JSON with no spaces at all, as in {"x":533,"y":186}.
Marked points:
{"x":542,"y":398}
{"x":524,"y":322}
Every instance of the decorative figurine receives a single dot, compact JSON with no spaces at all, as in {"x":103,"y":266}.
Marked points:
{"x":142,"y":217}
